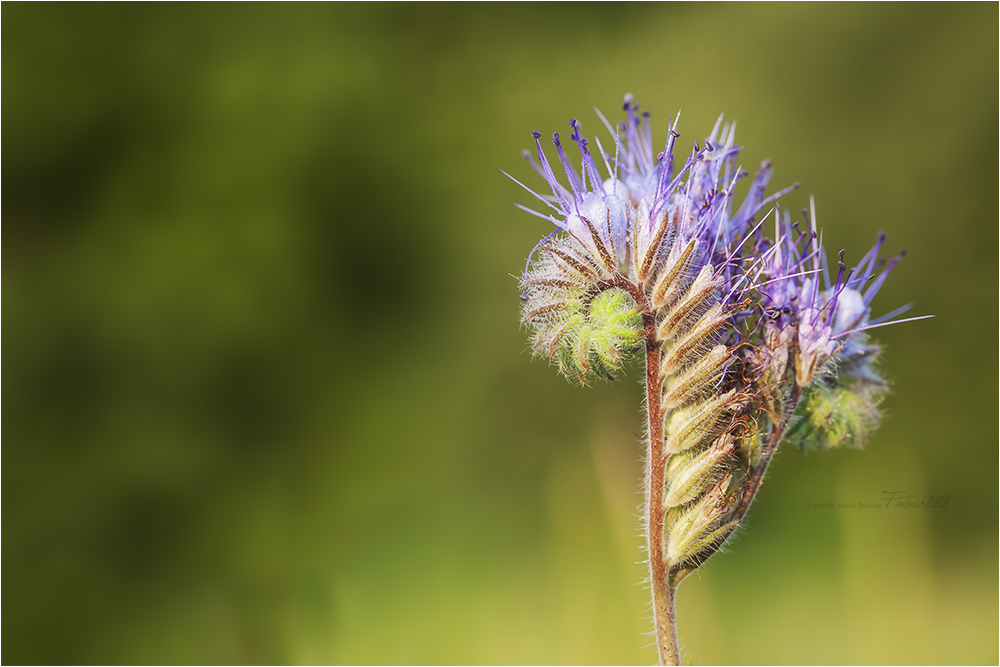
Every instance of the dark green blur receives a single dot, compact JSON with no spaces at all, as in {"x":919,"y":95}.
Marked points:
{"x":267,"y":399}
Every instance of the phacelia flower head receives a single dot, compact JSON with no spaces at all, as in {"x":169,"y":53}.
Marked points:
{"x":653,"y":227}
{"x":747,"y":341}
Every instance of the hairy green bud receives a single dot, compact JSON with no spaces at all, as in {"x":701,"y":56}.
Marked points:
{"x":830,"y":416}
{"x":689,"y":474}
{"x":580,"y":319}
{"x":702,"y":525}
{"x":841,"y":406}
{"x":701,"y":421}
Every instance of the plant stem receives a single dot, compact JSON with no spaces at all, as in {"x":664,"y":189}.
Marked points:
{"x":664,"y":618}
{"x":666,"y":625}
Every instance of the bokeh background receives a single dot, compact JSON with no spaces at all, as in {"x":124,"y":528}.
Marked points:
{"x":267,"y":396}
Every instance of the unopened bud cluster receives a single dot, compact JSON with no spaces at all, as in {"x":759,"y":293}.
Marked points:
{"x":580,"y":319}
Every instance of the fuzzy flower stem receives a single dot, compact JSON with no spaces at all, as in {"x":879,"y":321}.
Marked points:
{"x":664,"y":618}
{"x":666,"y":625}
{"x":663,"y":585}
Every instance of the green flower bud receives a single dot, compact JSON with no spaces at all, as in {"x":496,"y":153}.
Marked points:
{"x":830,"y":416}
{"x":684,"y":386}
{"x":671,"y":283}
{"x":689,"y":474}
{"x":701,"y":525}
{"x":695,"y":342}
{"x":579,"y":321}
{"x":698,"y":298}
{"x":701,"y":421}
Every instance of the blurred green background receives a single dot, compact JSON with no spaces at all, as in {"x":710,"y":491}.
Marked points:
{"x":267,"y":396}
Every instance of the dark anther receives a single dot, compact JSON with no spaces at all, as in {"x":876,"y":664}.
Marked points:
{"x":674,"y":133}
{"x":805,"y":214}
{"x":645,"y":114}
{"x":696,"y":149}
{"x":536,"y":134}
{"x":555,"y":138}
{"x":522,"y":297}
{"x":881,"y":236}
{"x":709,"y":147}
{"x":902,"y":253}
{"x":659,"y":158}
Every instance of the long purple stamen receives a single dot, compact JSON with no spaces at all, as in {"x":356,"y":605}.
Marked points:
{"x":875,"y":286}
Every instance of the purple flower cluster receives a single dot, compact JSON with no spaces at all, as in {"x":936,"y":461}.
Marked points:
{"x":643,"y":191}
{"x":828,"y":320}
{"x":640,"y":192}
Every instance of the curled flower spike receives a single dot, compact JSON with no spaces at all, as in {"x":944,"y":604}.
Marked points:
{"x":651,"y":257}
